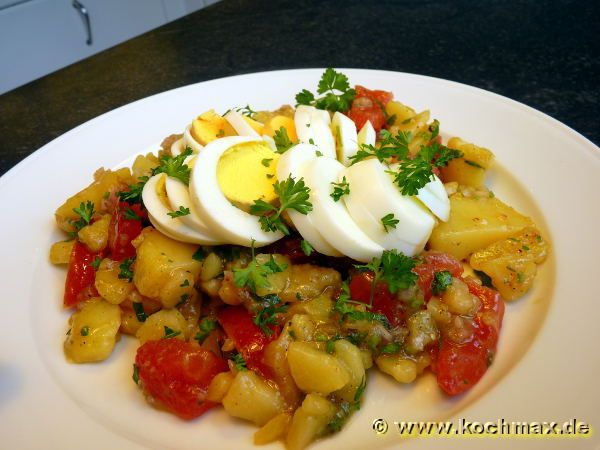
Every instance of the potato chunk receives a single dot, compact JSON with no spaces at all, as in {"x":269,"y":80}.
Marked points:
{"x":159,"y":261}
{"x":93,"y":331}
{"x":471,"y":168}
{"x":60,"y":252}
{"x":512,"y":263}
{"x":314,"y":370}
{"x":274,"y":429}
{"x":95,"y":235}
{"x":474,"y":224}
{"x":308,"y":281}
{"x":158,"y":324}
{"x":351,"y":357}
{"x":104,"y":181}
{"x":251,"y":398}
{"x":309,"y":421}
{"x":110,"y":287}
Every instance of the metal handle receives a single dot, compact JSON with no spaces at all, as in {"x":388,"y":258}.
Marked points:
{"x":85,"y":16}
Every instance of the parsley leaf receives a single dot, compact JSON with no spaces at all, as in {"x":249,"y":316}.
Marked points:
{"x":272,"y":305}
{"x":84,"y":331}
{"x":340,"y":189}
{"x":389,"y":221}
{"x":254,"y":275}
{"x":170,"y":333}
{"x":394,"y":268}
{"x":343,"y":306}
{"x":130,"y":214}
{"x":96,"y":263}
{"x":139,"y":311}
{"x":292,"y":195}
{"x":206,"y":326}
{"x":126,"y":272}
{"x":336,"y":94}
{"x":346,"y":408}
{"x":282,"y":140}
{"x":306,"y":247}
{"x":136,"y":374}
{"x":134,"y":194}
{"x":85,"y":211}
{"x":391,"y":348}
{"x":266,"y":162}
{"x":441,"y":281}
{"x":240,"y":362}
{"x":174,"y":166}
{"x":412,"y":175}
{"x":179,"y":213}
{"x":390,"y":147}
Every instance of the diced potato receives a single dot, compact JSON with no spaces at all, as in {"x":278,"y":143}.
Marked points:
{"x":277,"y":281}
{"x":219,"y":386}
{"x":276,"y":122}
{"x":474,"y":224}
{"x":422,"y":331}
{"x":367,"y":358}
{"x":302,"y":327}
{"x":459,"y":299}
{"x":309,"y":421}
{"x":403,"y":370}
{"x":401,"y":112}
{"x":110,"y":287}
{"x":315,"y":370}
{"x":318,"y":308}
{"x":129,"y":322}
{"x":178,"y":288}
{"x":276,"y":358}
{"x":512,"y":263}
{"x":352,"y":359}
{"x":274,"y":429}
{"x":95,"y":235}
{"x":104,"y":181}
{"x":158,"y":259}
{"x":471,"y":168}
{"x":155,"y":326}
{"x":209,"y":126}
{"x":60,"y":252}
{"x":143,"y":165}
{"x":94,"y":331}
{"x":212,"y":267}
{"x":251,"y":398}
{"x":308,"y":281}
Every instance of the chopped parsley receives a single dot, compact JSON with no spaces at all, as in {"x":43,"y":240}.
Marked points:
{"x":84,"y":331}
{"x":185,"y":283}
{"x":391,"y":348}
{"x":136,"y":374}
{"x":344,"y":306}
{"x":394,"y":268}
{"x":179,"y":213}
{"x":335,"y":91}
{"x":174,"y":166}
{"x":240,"y":362}
{"x":170,"y":333}
{"x":134,"y":194}
{"x":254,"y":275}
{"x":272,"y":305}
{"x":138,"y":308}
{"x":474,"y":164}
{"x":389,"y":221}
{"x":346,"y":408}
{"x":390,"y":146}
{"x":206,"y":326}
{"x":96,"y":263}
{"x":126,"y":273}
{"x":282,"y":140}
{"x":85,"y":211}
{"x":307,"y":249}
{"x":441,"y":281}
{"x":130,"y":214}
{"x":292,"y":195}
{"x":340,"y":189}
{"x":266,"y":162}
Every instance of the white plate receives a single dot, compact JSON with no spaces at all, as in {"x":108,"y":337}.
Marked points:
{"x":547,"y":366}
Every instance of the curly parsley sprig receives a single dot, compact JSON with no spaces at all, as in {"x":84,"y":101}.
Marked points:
{"x":334,"y":88}
{"x":254,"y":275}
{"x":390,"y":146}
{"x":292,"y":195}
{"x":174,"y":166}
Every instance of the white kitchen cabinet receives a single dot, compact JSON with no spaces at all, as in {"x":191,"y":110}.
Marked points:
{"x":40,"y":36}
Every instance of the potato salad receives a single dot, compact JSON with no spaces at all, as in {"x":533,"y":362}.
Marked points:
{"x":266,"y":261}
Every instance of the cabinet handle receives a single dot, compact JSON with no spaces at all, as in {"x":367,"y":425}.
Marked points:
{"x":85,"y":16}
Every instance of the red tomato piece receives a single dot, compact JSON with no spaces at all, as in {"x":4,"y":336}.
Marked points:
{"x":384,"y":302}
{"x":123,"y":230}
{"x":177,"y":374}
{"x":383,"y":97}
{"x":79,"y":285}
{"x":436,"y":262}
{"x":360,"y":113}
{"x":460,"y":366}
{"x":248,"y":338}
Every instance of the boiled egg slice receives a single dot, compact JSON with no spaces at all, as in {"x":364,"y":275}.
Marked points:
{"x":373,"y":195}
{"x":231,"y":223}
{"x":177,"y":147}
{"x":291,"y":163}
{"x":433,"y":196}
{"x":155,"y":200}
{"x":189,"y":141}
{"x":367,"y":134}
{"x":346,"y":138}
{"x":332,"y":218}
{"x":241,"y":126}
{"x":312,"y":127}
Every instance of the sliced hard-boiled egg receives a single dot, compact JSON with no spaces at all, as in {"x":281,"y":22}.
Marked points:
{"x":312,"y":127}
{"x":373,"y":196}
{"x":367,"y":134}
{"x":209,"y":126}
{"x":346,"y":139}
{"x":332,"y":218}
{"x":291,"y":164}
{"x":232,"y":224}
{"x":433,"y":195}
{"x":270,"y":141}
{"x":178,"y":195}
{"x":241,"y":126}
{"x":177,"y":147}
{"x":155,"y":199}
{"x":189,"y":141}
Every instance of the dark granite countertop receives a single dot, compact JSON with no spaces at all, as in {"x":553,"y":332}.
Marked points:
{"x":544,"y":53}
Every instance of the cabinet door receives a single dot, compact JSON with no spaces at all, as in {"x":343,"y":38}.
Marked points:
{"x":40,"y":36}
